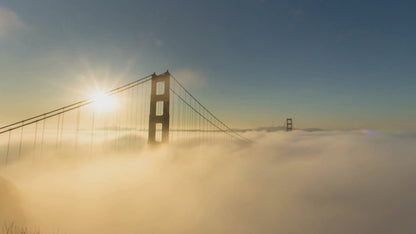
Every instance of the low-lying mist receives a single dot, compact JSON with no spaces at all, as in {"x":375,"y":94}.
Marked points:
{"x":297,"y":182}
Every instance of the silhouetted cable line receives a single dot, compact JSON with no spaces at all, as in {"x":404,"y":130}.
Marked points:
{"x":76,"y":105}
{"x":213,"y":124}
{"x":176,"y":80}
{"x":110,"y":92}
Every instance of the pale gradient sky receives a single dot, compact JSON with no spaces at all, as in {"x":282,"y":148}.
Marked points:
{"x":327,"y":64}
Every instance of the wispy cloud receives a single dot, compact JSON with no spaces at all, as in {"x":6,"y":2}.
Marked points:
{"x":9,"y":22}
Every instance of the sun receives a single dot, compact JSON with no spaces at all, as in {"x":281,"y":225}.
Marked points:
{"x":103,"y":102}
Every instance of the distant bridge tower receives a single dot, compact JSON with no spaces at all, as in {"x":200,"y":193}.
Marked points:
{"x":159,"y":109}
{"x":289,"y":124}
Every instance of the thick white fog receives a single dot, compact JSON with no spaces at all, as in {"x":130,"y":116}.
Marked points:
{"x":297,"y":182}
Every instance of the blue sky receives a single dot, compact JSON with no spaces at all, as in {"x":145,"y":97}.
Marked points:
{"x":327,"y":64}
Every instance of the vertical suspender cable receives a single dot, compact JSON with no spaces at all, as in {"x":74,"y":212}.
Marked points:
{"x":43,"y":135}
{"x":92,"y":130}
{"x":8,"y":147}
{"x":136,"y":110}
{"x":132,"y":112}
{"x":21,"y":142}
{"x":57,"y":131}
{"x":36,"y":134}
{"x":77,"y":129}
{"x":105,"y":128}
{"x":171,"y":119}
{"x":117,"y":127}
{"x":128,"y":115}
{"x":62,"y":128}
{"x":34,"y":141}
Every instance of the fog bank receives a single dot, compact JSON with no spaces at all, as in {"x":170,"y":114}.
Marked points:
{"x":297,"y":182}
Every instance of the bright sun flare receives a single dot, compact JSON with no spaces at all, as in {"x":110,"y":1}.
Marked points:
{"x":103,"y":102}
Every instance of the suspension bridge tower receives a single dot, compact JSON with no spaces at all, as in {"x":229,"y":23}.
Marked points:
{"x":159,"y":109}
{"x":289,"y":124}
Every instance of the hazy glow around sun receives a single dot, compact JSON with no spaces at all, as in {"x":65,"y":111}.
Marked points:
{"x":103,"y":102}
